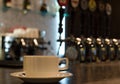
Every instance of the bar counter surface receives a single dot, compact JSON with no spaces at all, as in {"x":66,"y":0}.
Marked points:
{"x":83,"y":73}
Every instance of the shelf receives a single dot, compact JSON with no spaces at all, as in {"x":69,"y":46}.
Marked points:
{"x":26,"y":6}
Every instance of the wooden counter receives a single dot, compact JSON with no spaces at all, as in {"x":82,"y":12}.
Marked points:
{"x":91,"y":73}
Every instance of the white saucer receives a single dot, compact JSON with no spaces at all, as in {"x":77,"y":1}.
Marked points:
{"x":45,"y":79}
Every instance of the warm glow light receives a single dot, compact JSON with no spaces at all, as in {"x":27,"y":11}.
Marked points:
{"x":78,"y":40}
{"x":115,"y":40}
{"x":35,"y":42}
{"x":23,"y":42}
{"x":89,"y":39}
{"x":107,"y":40}
{"x":98,"y":39}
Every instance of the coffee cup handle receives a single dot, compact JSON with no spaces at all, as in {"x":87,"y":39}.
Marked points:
{"x":66,"y":65}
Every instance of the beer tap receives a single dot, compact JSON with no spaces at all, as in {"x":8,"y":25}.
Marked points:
{"x":61,"y":15}
{"x":62,"y":3}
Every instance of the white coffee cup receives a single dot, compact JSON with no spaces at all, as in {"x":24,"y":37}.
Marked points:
{"x":42,"y":66}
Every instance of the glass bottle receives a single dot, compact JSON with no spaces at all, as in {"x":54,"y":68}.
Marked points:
{"x":90,"y":50}
{"x":7,"y":3}
{"x":110,"y":49}
{"x":81,"y":49}
{"x":101,"y":49}
{"x":116,"y":47}
{"x":118,"y":50}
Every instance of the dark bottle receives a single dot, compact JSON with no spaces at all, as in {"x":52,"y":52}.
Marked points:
{"x":16,"y":48}
{"x":101,"y":50}
{"x":117,"y":48}
{"x":44,"y":8}
{"x":110,"y":49}
{"x":118,"y":51}
{"x":30,"y":48}
{"x":26,"y":5}
{"x":81,"y":49}
{"x":93,"y":51}
{"x":90,"y":53}
{"x":7,"y":3}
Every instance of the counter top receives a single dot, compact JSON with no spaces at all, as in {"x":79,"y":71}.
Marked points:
{"x":88,"y":73}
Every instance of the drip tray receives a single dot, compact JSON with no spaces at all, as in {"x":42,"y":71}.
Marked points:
{"x":11,"y":63}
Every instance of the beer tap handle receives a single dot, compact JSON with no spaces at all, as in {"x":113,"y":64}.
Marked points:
{"x":61,"y":15}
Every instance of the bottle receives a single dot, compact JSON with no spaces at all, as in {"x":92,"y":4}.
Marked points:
{"x":7,"y":3}
{"x":110,"y":49}
{"x":101,"y":50}
{"x":98,"y":48}
{"x":90,"y":50}
{"x":44,"y":8}
{"x":81,"y":51}
{"x":117,"y":48}
{"x":93,"y":50}
{"x":112,"y":55}
{"x":26,"y":6}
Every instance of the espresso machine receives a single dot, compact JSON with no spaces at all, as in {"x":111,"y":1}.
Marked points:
{"x":14,"y":49}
